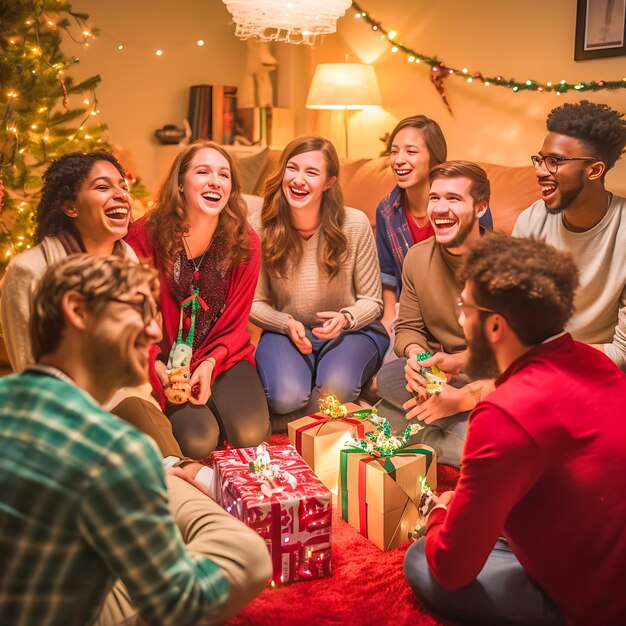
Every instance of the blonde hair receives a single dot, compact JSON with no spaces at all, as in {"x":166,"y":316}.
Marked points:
{"x":281,"y":243}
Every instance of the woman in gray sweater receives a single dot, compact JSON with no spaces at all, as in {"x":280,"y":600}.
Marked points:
{"x":319,"y":297}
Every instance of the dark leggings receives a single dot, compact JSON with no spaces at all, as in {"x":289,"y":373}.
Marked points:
{"x":236,"y":410}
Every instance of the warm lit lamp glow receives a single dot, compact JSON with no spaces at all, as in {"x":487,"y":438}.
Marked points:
{"x":345,"y":87}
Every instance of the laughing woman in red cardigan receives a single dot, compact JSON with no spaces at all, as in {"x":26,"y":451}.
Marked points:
{"x":208,"y":259}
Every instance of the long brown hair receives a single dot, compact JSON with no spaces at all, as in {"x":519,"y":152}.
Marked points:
{"x":281,"y":243}
{"x":165,"y":222}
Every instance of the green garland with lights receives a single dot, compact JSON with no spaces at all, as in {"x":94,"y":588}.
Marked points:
{"x":440,"y":70}
{"x":39,"y":122}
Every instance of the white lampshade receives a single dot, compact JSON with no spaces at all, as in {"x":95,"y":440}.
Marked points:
{"x":347,"y":86}
{"x":292,"y":21}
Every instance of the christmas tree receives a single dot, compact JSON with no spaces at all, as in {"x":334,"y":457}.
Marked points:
{"x":45,"y":113}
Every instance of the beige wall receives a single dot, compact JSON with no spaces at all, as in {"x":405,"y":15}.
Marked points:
{"x":141,"y":92}
{"x":529,"y":39}
{"x":524,"y":39}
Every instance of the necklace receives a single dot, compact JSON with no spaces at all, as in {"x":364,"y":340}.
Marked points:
{"x":196,"y":266}
{"x":424,"y":217}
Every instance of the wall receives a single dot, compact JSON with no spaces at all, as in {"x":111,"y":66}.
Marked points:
{"x":533,"y":39}
{"x":141,"y":92}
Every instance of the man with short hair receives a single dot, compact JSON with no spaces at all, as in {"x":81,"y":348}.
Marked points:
{"x":544,"y":462}
{"x":427,"y":320}
{"x":83,"y":493}
{"x":576,"y":213}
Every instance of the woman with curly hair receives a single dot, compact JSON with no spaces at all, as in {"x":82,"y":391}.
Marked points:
{"x":84,"y":207}
{"x":319,"y":293}
{"x":208,"y":259}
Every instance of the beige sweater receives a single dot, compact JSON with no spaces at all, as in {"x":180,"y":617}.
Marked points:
{"x":428,"y":313}
{"x":600,"y":254}
{"x":355,"y":291}
{"x":16,"y":294}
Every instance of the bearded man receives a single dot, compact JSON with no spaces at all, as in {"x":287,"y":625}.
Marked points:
{"x":576,"y":213}
{"x":534,"y":532}
{"x":427,"y":318}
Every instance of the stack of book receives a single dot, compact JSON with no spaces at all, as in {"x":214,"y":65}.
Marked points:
{"x":212,"y":112}
{"x":254,"y":126}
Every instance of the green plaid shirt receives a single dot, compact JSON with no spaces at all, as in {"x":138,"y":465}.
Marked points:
{"x":83,"y":501}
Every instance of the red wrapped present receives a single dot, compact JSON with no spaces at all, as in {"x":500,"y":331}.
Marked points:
{"x":320,"y":437}
{"x":273,"y":491}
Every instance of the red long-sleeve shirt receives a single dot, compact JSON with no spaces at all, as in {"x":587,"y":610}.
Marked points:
{"x":545,"y":464}
{"x":228,"y":341}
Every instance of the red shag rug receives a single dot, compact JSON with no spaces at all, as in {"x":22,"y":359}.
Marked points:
{"x":367,"y":586}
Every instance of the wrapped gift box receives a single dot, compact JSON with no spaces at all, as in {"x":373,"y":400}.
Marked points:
{"x":379,"y":495}
{"x":294,"y":519}
{"x":319,"y":438}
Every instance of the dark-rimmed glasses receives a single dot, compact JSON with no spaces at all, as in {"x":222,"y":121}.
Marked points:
{"x":145,"y":308}
{"x":552,"y":162}
{"x":465,"y":305}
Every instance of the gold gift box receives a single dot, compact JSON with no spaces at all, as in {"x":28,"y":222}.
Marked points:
{"x":379,"y":496}
{"x":319,"y":439}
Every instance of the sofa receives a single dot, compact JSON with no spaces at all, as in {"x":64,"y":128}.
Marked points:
{"x":365,"y":181}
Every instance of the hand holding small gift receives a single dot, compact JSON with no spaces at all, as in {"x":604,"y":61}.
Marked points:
{"x":428,"y":502}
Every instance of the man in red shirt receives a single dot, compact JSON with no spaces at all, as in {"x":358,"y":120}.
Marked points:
{"x":544,"y":462}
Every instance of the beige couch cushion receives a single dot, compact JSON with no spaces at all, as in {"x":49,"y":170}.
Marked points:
{"x":366,"y":181}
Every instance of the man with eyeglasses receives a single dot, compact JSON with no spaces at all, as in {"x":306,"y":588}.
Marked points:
{"x":428,"y":320}
{"x":534,"y":532}
{"x":83,"y":497}
{"x":578,"y":214}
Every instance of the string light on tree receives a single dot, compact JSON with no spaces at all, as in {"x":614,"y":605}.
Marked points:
{"x":35,"y":105}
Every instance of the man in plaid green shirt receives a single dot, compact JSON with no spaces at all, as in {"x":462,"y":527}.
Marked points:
{"x":82,"y":493}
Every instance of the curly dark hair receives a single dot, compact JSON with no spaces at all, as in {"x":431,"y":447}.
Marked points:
{"x":599,"y":126}
{"x":531,"y":284}
{"x":61,"y":183}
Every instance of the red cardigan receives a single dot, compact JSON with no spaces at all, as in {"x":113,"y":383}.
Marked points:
{"x":545,"y":464}
{"x":228,"y":341}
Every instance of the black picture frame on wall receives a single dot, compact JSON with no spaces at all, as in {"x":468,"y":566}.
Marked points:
{"x":600,"y":29}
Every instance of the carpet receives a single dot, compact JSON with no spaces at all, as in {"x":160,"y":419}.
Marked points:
{"x":367,"y":586}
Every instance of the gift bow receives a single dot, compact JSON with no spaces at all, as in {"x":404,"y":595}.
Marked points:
{"x":270,"y":475}
{"x":330,"y":405}
{"x":380,"y":442}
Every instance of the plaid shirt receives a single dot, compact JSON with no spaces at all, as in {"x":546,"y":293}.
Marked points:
{"x":83,"y":501}
{"x":393,"y":237}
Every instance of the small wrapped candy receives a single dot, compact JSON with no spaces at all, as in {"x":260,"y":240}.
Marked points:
{"x":433,"y":375}
{"x":426,"y":505}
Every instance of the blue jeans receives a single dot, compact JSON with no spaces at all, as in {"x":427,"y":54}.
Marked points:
{"x":502,"y":593}
{"x":293,"y":381}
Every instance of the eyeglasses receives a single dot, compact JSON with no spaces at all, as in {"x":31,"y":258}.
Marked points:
{"x":146,"y":309}
{"x":552,"y":162}
{"x":465,"y":305}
